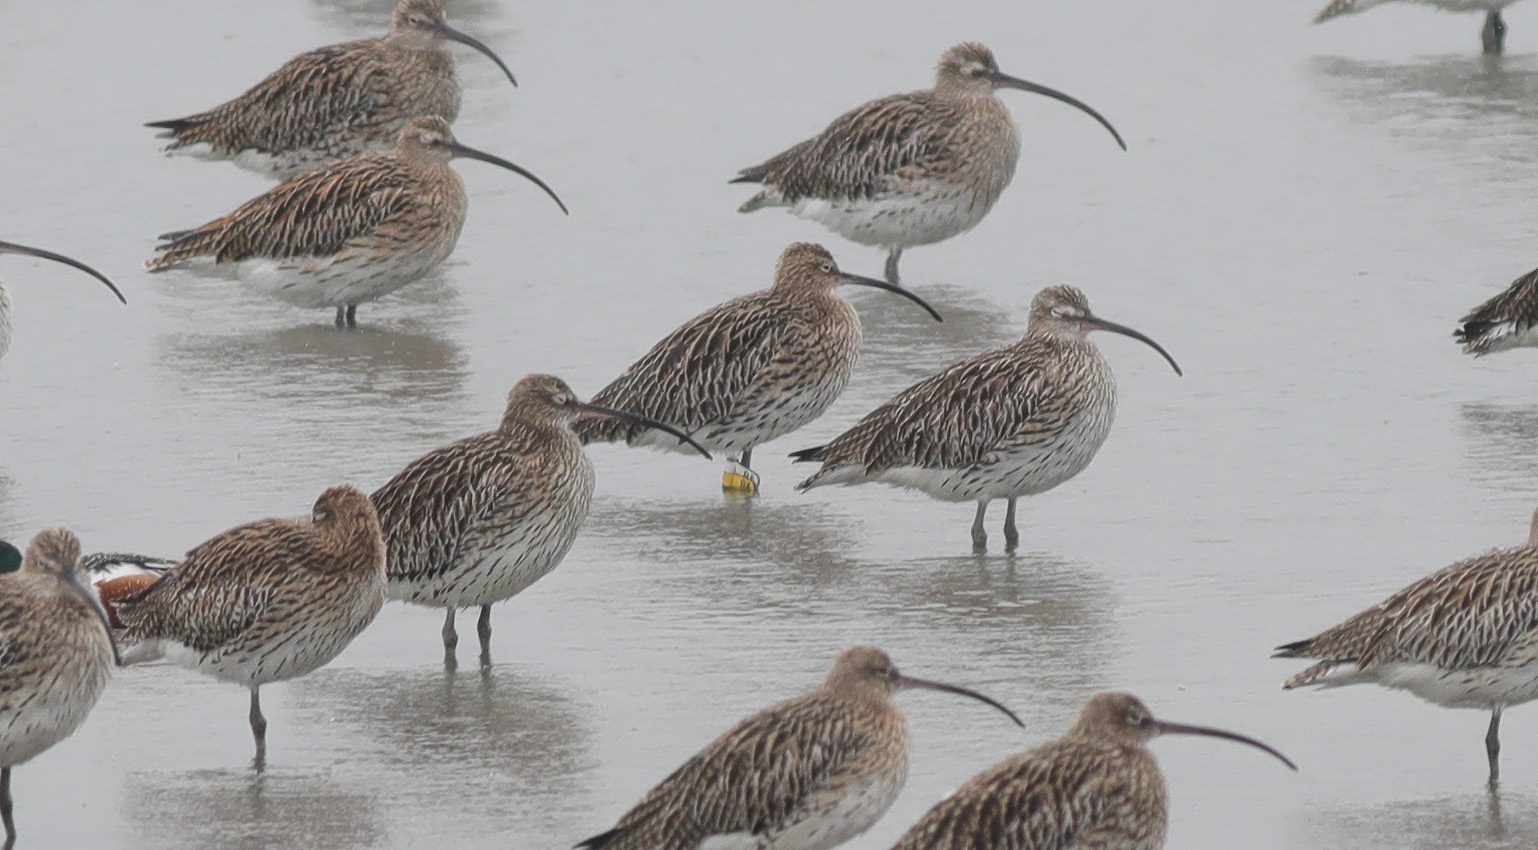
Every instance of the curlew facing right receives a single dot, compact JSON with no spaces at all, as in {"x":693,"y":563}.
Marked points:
{"x":1096,"y":788}
{"x":5,"y":294}
{"x":807,"y":774}
{"x":1463,"y":637}
{"x":337,"y":101}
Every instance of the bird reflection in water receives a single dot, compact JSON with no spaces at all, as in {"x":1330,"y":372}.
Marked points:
{"x":1490,"y":821}
{"x":1502,"y":443}
{"x":1431,"y":100}
{"x":239,"y":810}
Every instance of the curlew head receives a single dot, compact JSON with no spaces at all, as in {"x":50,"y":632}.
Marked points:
{"x":56,"y":552}
{"x":969,"y":70}
{"x":868,"y":668}
{"x":9,"y":248}
{"x":429,"y":139}
{"x":343,"y":506}
{"x":422,"y":22}
{"x":547,"y":400}
{"x":1123,"y":719}
{"x":1063,"y":310}
{"x":808,"y":266}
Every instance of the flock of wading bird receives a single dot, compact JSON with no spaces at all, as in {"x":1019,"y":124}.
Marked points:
{"x":360,"y":134}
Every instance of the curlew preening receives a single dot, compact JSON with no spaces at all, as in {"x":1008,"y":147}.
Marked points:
{"x":1493,"y":36}
{"x":1462,"y":637}
{"x":265,"y":602}
{"x":56,"y":653}
{"x":5,"y":294}
{"x":1096,"y":787}
{"x":479,"y":520}
{"x":336,"y":101}
{"x":807,"y":774}
{"x":1509,"y":320}
{"x":909,"y":169}
{"x":349,"y":232}
{"x":750,"y":370}
{"x":1011,"y":422}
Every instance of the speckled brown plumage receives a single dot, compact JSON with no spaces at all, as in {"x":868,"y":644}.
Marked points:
{"x":336,"y":101}
{"x":807,"y":774}
{"x":1096,"y":788}
{"x":747,"y":371}
{"x":1505,"y":321}
{"x":267,"y":601}
{"x":1464,"y":637}
{"x":1011,"y":422}
{"x":56,"y":654}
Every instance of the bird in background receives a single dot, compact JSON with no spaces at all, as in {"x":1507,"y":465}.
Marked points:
{"x":747,"y":371}
{"x":1463,"y":637}
{"x":264,"y":602}
{"x":56,"y":653}
{"x":1012,"y":422}
{"x":908,"y":169}
{"x":5,"y":294}
{"x":1096,"y":788}
{"x":337,"y":101}
{"x":807,"y":774}
{"x":349,"y":232}
{"x":478,"y":521}
{"x":118,"y":574}
{"x":1492,"y":36}
{"x":1509,"y":320}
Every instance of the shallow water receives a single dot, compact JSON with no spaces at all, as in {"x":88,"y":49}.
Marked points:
{"x":1302,"y":215}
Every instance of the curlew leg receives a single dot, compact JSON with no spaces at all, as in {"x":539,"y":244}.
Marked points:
{"x":5,"y":808}
{"x":341,"y":317}
{"x":1493,"y":746}
{"x":450,"y":637}
{"x":352,"y":315}
{"x":980,"y":534}
{"x":1494,"y":33}
{"x":258,"y":727}
{"x":891,"y":265}
{"x":1011,"y":534}
{"x":483,"y":628}
{"x":739,"y":478}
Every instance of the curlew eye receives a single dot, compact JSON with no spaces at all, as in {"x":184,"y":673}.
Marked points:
{"x":826,"y":267}
{"x":1059,"y":312}
{"x":418,"y":21}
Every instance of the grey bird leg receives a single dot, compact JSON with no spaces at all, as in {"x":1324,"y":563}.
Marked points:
{"x":1494,"y":33}
{"x":891,"y":265}
{"x":483,"y":628}
{"x":1493,"y":747}
{"x":258,"y":728}
{"x":450,"y":638}
{"x":1011,"y":534}
{"x":747,"y":458}
{"x":980,"y":534}
{"x":352,"y":315}
{"x":5,"y":808}
{"x":341,"y":317}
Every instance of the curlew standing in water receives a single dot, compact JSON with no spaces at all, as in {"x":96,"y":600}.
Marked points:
{"x":1509,"y":320}
{"x":909,"y":169}
{"x":1012,"y":422}
{"x":337,"y":101}
{"x":807,"y":774}
{"x":56,"y":653}
{"x":750,"y":370}
{"x":5,"y":294}
{"x":349,"y":232}
{"x":1493,"y":36}
{"x":1463,"y":637}
{"x":1096,"y":787}
{"x":478,"y":521}
{"x":265,"y":602}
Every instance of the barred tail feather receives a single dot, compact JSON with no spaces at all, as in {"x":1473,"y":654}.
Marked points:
{"x":184,"y":245}
{"x":1338,"y":7}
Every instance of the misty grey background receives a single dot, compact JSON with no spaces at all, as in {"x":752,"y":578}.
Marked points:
{"x":1301,"y":217}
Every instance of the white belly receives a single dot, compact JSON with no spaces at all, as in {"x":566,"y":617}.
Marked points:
{"x":900,"y":220}
{"x":34,"y":720}
{"x":352,"y":276}
{"x":840,"y":815}
{"x":1480,"y":687}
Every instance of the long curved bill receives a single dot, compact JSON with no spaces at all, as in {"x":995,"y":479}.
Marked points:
{"x":86,"y":593}
{"x":1102,"y":324}
{"x":600,"y":410}
{"x":1206,"y":731}
{"x":471,"y":153}
{"x":10,"y":248}
{"x":881,"y":284}
{"x":924,"y":684}
{"x":1026,"y":85}
{"x":452,"y":34}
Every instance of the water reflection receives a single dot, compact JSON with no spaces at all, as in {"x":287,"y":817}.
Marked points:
{"x":1502,"y":442}
{"x":10,"y":524}
{"x":372,"y":17}
{"x":242,"y":810}
{"x":522,"y":737}
{"x":1503,"y":821}
{"x":903,"y":344}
